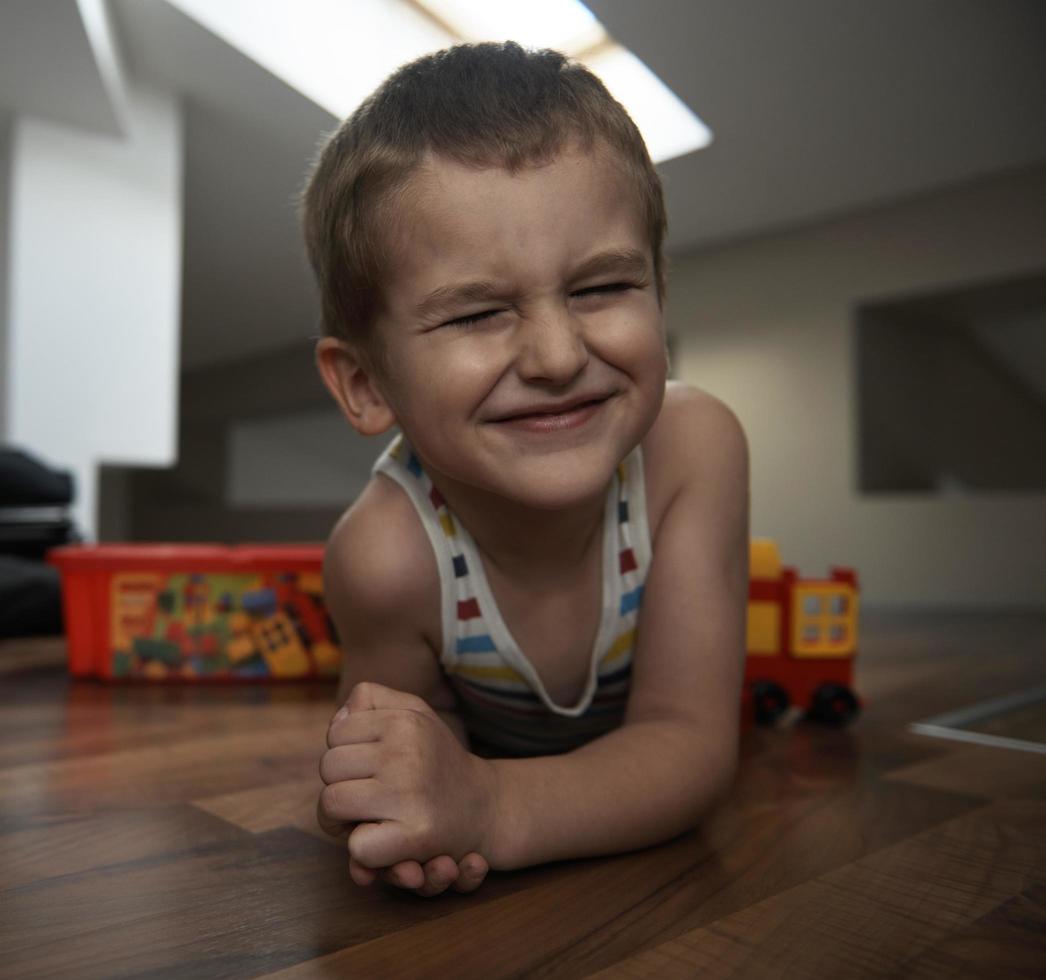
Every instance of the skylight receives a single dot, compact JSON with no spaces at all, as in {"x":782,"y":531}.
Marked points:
{"x":566,"y":25}
{"x":336,"y":52}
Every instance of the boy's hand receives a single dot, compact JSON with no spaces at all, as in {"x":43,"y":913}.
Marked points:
{"x":398,"y":773}
{"x":433,"y":878}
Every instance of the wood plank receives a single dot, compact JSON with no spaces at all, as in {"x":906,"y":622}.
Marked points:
{"x":33,"y":654}
{"x":920,"y":663}
{"x":1027,"y":722}
{"x":874,"y":916}
{"x":290,"y":803}
{"x":72,"y":844}
{"x":33,"y":734}
{"x":550,"y":909}
{"x":233,"y":907}
{"x":45,"y":717}
{"x":1010,"y":941}
{"x":775,"y":849}
{"x":157,"y":775}
{"x":984,"y":771}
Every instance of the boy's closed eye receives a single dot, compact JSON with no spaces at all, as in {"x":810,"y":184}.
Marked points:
{"x":471,"y":318}
{"x":603,"y":289}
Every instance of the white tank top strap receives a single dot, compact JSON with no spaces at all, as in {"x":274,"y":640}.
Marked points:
{"x":636,"y":528}
{"x":399,"y":463}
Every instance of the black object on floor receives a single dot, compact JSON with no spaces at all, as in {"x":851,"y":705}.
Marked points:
{"x":34,"y":499}
{"x":27,"y":482}
{"x":30,"y":598}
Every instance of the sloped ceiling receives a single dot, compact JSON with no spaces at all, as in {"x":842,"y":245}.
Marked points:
{"x":822,"y":107}
{"x":49,"y":66}
{"x":249,"y":139}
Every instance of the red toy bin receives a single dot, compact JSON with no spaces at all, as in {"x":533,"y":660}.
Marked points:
{"x":199,"y":612}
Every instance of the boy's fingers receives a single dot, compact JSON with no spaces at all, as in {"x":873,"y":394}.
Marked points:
{"x":404,"y":874}
{"x":331,"y":825}
{"x":471,"y":873}
{"x":353,"y":729}
{"x":378,"y":844}
{"x":328,"y":824}
{"x":369,"y":726}
{"x":369,"y":696}
{"x":361,"y":875}
{"x":364,"y":697}
{"x":345,"y":762}
{"x":353,"y":801}
{"x":440,"y":873}
{"x":437,"y":875}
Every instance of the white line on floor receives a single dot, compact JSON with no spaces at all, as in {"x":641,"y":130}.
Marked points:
{"x":978,"y":738}
{"x":984,"y":709}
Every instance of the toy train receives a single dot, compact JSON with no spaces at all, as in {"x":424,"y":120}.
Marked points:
{"x":801,"y":641}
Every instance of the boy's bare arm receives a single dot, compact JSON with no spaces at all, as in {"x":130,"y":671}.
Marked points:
{"x":676,"y":752}
{"x":378,"y":580}
{"x":381,"y":585}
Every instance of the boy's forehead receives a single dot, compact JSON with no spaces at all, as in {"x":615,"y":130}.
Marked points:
{"x":450,"y":213}
{"x":437,"y":174}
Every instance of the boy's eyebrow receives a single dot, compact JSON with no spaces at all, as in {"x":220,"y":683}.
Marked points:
{"x":464,"y":292}
{"x":617,"y":261}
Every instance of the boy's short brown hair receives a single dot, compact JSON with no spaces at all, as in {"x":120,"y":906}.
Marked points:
{"x":481,"y":105}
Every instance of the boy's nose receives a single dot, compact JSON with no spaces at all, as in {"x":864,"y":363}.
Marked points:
{"x":551,"y":348}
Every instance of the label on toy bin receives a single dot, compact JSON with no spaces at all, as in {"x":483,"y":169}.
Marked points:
{"x":169,"y":626}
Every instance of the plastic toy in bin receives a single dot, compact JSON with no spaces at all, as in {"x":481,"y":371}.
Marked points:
{"x":196,"y":612}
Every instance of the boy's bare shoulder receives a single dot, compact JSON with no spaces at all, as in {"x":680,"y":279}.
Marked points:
{"x":379,"y":564}
{"x":696,"y":441}
{"x":691,"y":410}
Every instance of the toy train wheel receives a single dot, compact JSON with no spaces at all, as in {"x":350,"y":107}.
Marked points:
{"x":770,"y":701}
{"x":834,"y":705}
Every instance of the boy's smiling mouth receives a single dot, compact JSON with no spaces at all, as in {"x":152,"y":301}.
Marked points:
{"x":553,"y":416}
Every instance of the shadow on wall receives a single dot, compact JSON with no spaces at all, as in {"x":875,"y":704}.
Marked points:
{"x":262,"y":456}
{"x":952,"y":390}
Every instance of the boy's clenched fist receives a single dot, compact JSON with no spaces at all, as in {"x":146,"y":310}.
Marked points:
{"x":414,"y":801}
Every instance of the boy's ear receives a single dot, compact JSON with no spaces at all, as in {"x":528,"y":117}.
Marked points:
{"x":353,"y":386}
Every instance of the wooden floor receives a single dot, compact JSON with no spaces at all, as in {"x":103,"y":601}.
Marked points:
{"x":168,"y":832}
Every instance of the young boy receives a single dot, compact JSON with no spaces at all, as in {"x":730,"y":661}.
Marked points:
{"x":541,"y":591}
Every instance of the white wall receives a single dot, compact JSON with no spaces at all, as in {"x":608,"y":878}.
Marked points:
{"x":769,"y":326}
{"x":94,"y":284}
{"x":5,"y":197}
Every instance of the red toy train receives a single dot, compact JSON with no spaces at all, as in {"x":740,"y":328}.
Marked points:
{"x":802,"y":639}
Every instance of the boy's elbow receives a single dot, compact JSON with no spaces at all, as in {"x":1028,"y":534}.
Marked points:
{"x":718,"y":771}
{"x":709,"y":792}
{"x":708,"y":767}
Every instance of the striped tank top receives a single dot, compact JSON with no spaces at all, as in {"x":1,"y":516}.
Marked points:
{"x":500,"y":696}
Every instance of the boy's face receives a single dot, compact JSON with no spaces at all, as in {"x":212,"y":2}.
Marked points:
{"x":522,"y":326}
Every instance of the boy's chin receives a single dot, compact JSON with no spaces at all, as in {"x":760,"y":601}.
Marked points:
{"x":562,"y":488}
